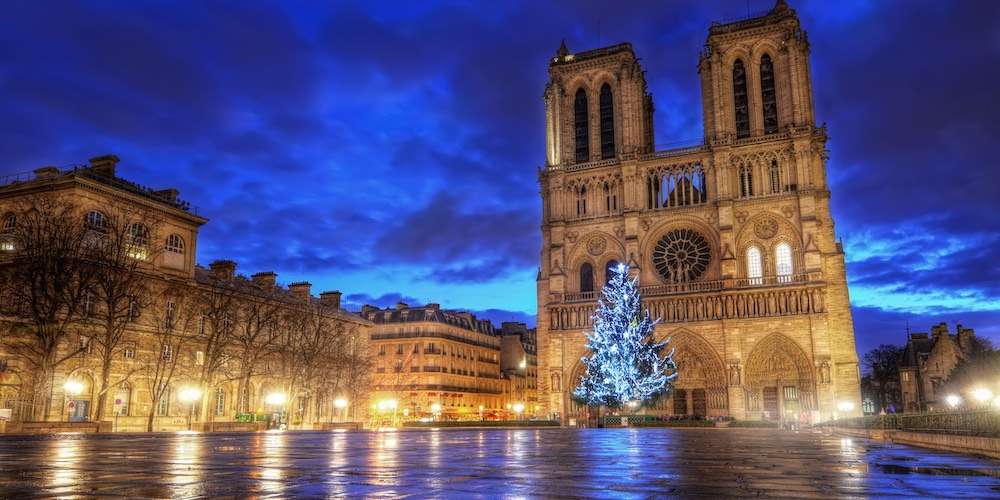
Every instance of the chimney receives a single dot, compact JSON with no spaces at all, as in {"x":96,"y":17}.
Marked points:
{"x":104,"y":165}
{"x":433,"y":306}
{"x":46,"y":172}
{"x":401,"y":305}
{"x":224,"y":270}
{"x":169,"y":195}
{"x":300,"y":290}
{"x":330,"y":299}
{"x":367,"y":308}
{"x":264,"y":279}
{"x":939,"y":330}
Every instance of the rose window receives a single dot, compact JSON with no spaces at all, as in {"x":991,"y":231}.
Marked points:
{"x":681,"y":255}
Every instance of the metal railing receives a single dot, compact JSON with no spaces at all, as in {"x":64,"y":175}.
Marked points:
{"x":983,"y":423}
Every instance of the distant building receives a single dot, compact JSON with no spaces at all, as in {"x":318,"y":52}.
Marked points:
{"x":519,"y":364}
{"x":435,"y":363}
{"x":927,"y":361}
{"x":179,"y":345}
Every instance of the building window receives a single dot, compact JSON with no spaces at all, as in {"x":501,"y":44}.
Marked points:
{"x":581,"y":201}
{"x":586,"y":277}
{"x":167,"y":353}
{"x":7,"y":242}
{"x":905,"y":376}
{"x":381,"y":350}
{"x":746,"y":181}
{"x":164,"y":405}
{"x":122,"y":397}
{"x":9,"y":224}
{"x":133,"y":311}
{"x":128,"y":351}
{"x":175,"y":244}
{"x":742,"y":110}
{"x":791,"y":393}
{"x":95,"y":220}
{"x":220,"y":402}
{"x":607,"y":123}
{"x":783,"y":259}
{"x":582,"y":127}
{"x":85,"y":345}
{"x":767,"y":96}
{"x":199,"y":358}
{"x":775,"y":177}
{"x":755,"y":269}
{"x":168,"y":320}
{"x":88,"y":305}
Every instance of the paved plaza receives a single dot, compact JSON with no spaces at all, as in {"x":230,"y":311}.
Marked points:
{"x":486,"y":463}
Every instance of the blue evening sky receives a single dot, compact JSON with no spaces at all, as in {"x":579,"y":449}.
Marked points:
{"x":388,"y":149}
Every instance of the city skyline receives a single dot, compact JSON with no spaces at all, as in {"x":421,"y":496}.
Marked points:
{"x":395,"y":147}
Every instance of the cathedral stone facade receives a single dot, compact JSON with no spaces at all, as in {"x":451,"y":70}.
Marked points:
{"x":731,"y":238}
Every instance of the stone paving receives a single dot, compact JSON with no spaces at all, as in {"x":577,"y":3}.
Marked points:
{"x":486,"y":463}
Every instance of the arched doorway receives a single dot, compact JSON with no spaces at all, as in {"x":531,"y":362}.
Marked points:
{"x":779,"y":380}
{"x":700,"y":386}
{"x":78,"y":390}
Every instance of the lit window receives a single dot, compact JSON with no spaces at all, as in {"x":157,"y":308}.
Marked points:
{"x":220,"y":402}
{"x":164,"y":405}
{"x":755,"y":271}
{"x":783,"y":258}
{"x":791,"y":393}
{"x":122,"y":397}
{"x":128,"y":352}
{"x":199,"y":358}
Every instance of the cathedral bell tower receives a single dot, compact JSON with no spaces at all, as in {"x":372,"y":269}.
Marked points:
{"x":731,"y":239}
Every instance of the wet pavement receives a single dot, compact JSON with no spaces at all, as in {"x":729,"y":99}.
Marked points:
{"x":486,"y":463}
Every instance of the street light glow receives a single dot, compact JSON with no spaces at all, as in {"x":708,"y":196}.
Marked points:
{"x":982,"y":394}
{"x":953,"y":400}
{"x":340,"y":403}
{"x":189,"y":394}
{"x":275,"y":399}
{"x":73,"y":387}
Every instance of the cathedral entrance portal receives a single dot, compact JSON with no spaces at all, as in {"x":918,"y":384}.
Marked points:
{"x":780,"y":381}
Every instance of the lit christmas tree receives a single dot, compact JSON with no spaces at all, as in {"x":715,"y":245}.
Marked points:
{"x":625,"y":366}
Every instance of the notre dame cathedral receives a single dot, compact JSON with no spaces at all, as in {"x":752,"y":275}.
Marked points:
{"x":731,"y":238}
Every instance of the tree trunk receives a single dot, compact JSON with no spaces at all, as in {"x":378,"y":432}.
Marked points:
{"x":152,"y":413}
{"x":102,"y":394}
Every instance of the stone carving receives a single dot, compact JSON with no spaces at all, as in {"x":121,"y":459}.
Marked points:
{"x":765,"y":228}
{"x":646,"y":223}
{"x":741,"y":216}
{"x":596,"y":245}
{"x":619,"y":231}
{"x":571,"y":236}
{"x":734,"y":375}
{"x":712,"y":217}
{"x":824,"y":373}
{"x":788,"y":211}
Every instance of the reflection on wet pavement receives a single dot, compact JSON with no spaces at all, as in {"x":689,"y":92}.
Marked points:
{"x":486,"y":463}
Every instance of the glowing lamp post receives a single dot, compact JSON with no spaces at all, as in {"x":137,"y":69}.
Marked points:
{"x":982,"y":395}
{"x":436,"y":410}
{"x":340,"y":404}
{"x":518,"y":408}
{"x":190,"y":395}
{"x":277,"y":399}
{"x":953,"y":400}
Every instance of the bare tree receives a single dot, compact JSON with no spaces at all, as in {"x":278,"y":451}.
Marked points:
{"x":215,"y":332}
{"x":255,"y":332}
{"x":121,"y":286}
{"x":881,"y":364}
{"x":47,"y":276}
{"x":170,"y":322}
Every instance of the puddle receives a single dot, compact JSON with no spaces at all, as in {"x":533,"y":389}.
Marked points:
{"x":935,"y":471}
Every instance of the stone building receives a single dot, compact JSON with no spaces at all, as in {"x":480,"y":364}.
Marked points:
{"x":731,"y":236}
{"x":519,"y":364}
{"x":435,"y":363}
{"x":929,"y":360}
{"x":134,"y":333}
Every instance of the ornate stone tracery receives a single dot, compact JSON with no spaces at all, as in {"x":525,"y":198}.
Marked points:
{"x":681,"y":255}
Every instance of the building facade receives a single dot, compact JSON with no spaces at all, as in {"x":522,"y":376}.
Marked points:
{"x":927,"y":361}
{"x":107,"y":317}
{"x":731,"y":237}
{"x":431,"y":363}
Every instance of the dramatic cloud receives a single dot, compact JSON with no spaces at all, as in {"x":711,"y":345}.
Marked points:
{"x":390,"y":149}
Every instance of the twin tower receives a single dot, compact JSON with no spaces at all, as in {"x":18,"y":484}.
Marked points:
{"x":731,"y":238}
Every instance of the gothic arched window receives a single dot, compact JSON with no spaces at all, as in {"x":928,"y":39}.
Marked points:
{"x":586,"y":277}
{"x":783,"y":261}
{"x":746,"y":180}
{"x":775,"y":175}
{"x":755,"y":268}
{"x":10,"y":223}
{"x":742,"y":110}
{"x":767,"y":96}
{"x":607,"y":123}
{"x":580,"y":119}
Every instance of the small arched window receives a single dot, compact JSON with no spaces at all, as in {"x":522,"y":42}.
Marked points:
{"x":746,"y":181}
{"x":581,"y":201}
{"x":138,"y":234}
{"x":586,"y":277}
{"x":755,"y":268}
{"x":10,"y":223}
{"x":95,"y":220}
{"x":783,"y":262}
{"x":582,"y":127}
{"x":175,"y":244}
{"x":742,"y":110}
{"x":767,"y":95}
{"x":607,"y":123}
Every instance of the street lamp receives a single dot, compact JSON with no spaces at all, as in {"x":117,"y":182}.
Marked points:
{"x":982,"y":394}
{"x":277,"y":399}
{"x":518,"y":408}
{"x":73,"y":389}
{"x":436,"y":410}
{"x":190,"y":395}
{"x":340,"y":404}
{"x":953,"y":400}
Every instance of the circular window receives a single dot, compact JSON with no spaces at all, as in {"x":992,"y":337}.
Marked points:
{"x":681,"y":255}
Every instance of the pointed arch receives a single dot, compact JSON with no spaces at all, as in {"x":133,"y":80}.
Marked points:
{"x":754,"y":266}
{"x":779,"y":377}
{"x":740,"y":100}
{"x":581,"y":121}
{"x":607,"y":110}
{"x":586,"y":277}
{"x":767,"y":95}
